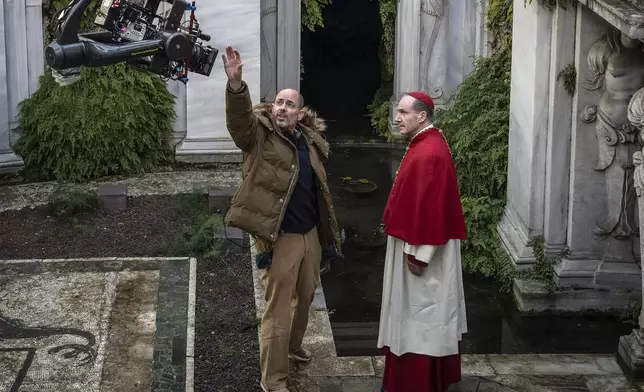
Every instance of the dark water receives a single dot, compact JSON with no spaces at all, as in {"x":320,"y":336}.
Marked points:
{"x":342,"y":66}
{"x":353,"y":287}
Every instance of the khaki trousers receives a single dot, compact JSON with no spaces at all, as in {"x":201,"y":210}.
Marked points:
{"x":289,"y":286}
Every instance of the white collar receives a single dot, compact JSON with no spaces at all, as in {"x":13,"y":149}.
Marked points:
{"x":430,"y":126}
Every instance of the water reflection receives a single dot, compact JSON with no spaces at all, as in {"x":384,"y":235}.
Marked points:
{"x":353,"y":288}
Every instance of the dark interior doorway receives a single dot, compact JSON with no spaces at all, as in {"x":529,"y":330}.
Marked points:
{"x":342,"y":66}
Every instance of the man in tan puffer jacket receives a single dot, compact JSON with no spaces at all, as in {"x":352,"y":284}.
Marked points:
{"x":285,"y":204}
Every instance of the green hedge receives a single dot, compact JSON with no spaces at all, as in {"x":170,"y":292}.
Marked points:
{"x":115,"y":120}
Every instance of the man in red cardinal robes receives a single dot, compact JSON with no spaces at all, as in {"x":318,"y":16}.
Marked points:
{"x":422,"y":317}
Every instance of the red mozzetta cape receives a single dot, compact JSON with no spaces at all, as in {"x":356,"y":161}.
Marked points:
{"x":424,"y":205}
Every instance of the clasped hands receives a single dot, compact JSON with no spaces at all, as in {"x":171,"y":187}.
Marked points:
{"x":415,"y":266}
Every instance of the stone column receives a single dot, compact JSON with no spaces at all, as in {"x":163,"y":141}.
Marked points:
{"x":559,"y":131}
{"x":236,"y":24}
{"x":407,"y":54}
{"x":460,"y":44}
{"x":180,"y":126}
{"x":586,"y":193}
{"x":631,"y":347}
{"x":434,"y":49}
{"x":35,"y":44}
{"x":524,"y":212}
{"x":289,"y":32}
{"x":14,"y":84}
{"x":481,"y":47}
{"x":269,"y":59}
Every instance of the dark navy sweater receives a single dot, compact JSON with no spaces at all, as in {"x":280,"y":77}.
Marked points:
{"x":302,"y":211}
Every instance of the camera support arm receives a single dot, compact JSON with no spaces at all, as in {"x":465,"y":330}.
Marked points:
{"x":164,"y":50}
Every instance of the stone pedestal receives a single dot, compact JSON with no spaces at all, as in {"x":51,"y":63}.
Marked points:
{"x":524,"y":213}
{"x":630,"y":354}
{"x":219,"y":198}
{"x":180,"y":126}
{"x":113,"y":197}
{"x":229,"y":239}
{"x":207,"y":138}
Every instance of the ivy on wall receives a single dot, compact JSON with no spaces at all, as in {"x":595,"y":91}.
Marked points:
{"x":379,"y":107}
{"x":312,"y":13}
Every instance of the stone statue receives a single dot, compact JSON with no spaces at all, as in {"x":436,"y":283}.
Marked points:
{"x":617,"y":65}
{"x":636,"y":117}
{"x":431,"y":20}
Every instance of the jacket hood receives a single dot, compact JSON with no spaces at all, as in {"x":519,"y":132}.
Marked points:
{"x":310,"y":120}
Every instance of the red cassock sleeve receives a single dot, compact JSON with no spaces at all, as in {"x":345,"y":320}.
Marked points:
{"x":424,"y":205}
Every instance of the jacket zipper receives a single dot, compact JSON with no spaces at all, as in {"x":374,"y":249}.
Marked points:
{"x":290,"y":186}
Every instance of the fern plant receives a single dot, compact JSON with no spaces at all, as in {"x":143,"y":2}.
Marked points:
{"x":115,"y":120}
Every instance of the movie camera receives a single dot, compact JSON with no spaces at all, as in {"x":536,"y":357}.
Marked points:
{"x":141,"y":33}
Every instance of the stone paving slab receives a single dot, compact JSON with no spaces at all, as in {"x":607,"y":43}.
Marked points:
{"x":556,"y":364}
{"x":90,"y":326}
{"x":16,"y":197}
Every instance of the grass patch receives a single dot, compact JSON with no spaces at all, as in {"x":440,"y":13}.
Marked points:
{"x":196,"y":239}
{"x":67,"y":205}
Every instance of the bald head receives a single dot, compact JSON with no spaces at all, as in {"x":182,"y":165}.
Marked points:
{"x":287,"y":108}
{"x":293,"y":95}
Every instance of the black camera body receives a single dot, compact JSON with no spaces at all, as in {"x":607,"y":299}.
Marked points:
{"x":137,"y":32}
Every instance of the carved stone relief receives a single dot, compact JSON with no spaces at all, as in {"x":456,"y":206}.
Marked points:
{"x":617,"y":65}
{"x":432,"y":18}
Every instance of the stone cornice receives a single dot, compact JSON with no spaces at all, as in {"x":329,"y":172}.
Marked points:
{"x":625,"y":15}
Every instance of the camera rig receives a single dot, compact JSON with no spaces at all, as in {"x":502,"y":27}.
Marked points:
{"x":136,"y":32}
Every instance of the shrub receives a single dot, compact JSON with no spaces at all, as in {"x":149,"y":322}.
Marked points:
{"x":115,"y":120}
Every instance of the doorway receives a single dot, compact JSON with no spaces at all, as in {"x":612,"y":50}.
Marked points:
{"x":341,"y":66}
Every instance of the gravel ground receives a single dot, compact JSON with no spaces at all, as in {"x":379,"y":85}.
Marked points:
{"x":226,"y":346}
{"x":138,"y":231}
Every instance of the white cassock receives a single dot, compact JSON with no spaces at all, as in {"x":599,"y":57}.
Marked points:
{"x":423,"y":314}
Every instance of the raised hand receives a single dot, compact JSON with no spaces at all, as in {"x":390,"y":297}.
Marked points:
{"x":233,"y":67}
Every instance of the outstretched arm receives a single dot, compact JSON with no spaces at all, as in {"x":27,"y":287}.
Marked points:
{"x":241,"y":121}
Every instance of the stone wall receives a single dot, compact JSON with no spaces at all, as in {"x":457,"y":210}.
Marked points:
{"x":570,"y":171}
